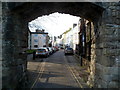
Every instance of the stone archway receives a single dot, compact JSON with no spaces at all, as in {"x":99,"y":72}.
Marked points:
{"x":15,"y":17}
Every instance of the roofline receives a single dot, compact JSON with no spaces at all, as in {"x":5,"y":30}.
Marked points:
{"x":38,"y":33}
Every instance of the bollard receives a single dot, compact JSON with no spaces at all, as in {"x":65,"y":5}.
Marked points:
{"x":34,"y":55}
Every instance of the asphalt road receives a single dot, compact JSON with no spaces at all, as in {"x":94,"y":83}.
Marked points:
{"x":56,"y":71}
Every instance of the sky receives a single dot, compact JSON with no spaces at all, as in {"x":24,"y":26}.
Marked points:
{"x":55,"y":24}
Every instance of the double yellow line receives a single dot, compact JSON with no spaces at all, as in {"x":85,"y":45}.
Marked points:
{"x":39,"y":74}
{"x":73,"y":74}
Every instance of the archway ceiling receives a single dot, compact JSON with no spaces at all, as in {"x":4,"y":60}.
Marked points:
{"x":31,"y":10}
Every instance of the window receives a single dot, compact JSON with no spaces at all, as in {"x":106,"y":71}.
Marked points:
{"x":35,"y":40}
{"x":44,"y":35}
{"x":35,"y":46}
{"x":35,"y":35}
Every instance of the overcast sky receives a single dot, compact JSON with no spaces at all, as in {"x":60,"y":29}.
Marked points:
{"x":55,"y":23}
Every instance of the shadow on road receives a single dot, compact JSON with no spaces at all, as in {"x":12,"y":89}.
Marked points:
{"x":51,"y":85}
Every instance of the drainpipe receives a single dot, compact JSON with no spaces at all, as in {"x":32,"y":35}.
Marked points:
{"x":83,"y":40}
{"x":30,"y":40}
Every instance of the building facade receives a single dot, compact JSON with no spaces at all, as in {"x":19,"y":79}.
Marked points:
{"x":70,"y":37}
{"x":38,"y":39}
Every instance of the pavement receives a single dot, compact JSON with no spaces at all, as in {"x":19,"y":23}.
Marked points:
{"x":83,"y":70}
{"x":33,"y":68}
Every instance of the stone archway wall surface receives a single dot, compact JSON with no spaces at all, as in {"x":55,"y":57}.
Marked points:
{"x":107,"y":51}
{"x":105,"y":56}
{"x":14,"y":41}
{"x":0,"y":46}
{"x":15,"y":17}
{"x":32,"y":10}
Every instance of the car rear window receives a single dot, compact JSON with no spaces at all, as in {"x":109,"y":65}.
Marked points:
{"x":69,"y":48}
{"x":40,"y":49}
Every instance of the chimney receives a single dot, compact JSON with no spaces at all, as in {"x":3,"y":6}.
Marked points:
{"x":37,"y":30}
{"x":43,"y":30}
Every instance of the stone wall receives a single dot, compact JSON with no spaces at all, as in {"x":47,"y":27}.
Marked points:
{"x":14,"y":41}
{"x":0,"y":45}
{"x":105,"y":48}
{"x":91,"y":78}
{"x":105,"y":57}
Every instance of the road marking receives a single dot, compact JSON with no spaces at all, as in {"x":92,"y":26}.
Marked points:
{"x":73,"y":73}
{"x":39,"y":74}
{"x":75,"y":76}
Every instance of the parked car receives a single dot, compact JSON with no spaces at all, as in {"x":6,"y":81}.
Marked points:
{"x":50,"y":50}
{"x":68,"y":50}
{"x":42,"y":51}
{"x":56,"y":48}
{"x":53,"y":49}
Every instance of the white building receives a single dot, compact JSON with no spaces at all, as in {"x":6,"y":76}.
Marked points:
{"x":71,"y":37}
{"x":75,"y":32}
{"x":37,"y":39}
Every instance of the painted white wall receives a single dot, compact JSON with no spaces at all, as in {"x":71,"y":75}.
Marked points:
{"x":71,"y":38}
{"x":38,"y":39}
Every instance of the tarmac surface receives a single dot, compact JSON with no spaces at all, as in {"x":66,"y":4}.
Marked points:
{"x":56,"y":71}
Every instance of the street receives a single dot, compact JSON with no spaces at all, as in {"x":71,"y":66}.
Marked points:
{"x":56,"y":71}
{"x":89,"y":30}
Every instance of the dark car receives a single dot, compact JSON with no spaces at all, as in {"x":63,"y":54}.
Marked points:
{"x":68,"y":50}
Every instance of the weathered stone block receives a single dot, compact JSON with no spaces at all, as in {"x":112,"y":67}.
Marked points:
{"x":106,"y":61}
{"x":113,"y":85}
{"x":111,"y":70}
{"x":111,"y":78}
{"x":1,"y":82}
{"x":106,"y":70}
{"x":115,"y":78}
{"x":107,"y":74}
{"x":99,"y":69}
{"x":106,"y":78}
{"x":20,"y":61}
{"x":108,"y":38}
{"x":111,"y":26}
{"x":108,"y":45}
{"x":108,"y":31}
{"x":100,"y":83}
{"x":103,"y":84}
{"x":0,"y":55}
{"x":117,"y":61}
{"x":1,"y":74}
{"x":117,"y":21}
{"x":118,"y":31}
{"x":111,"y":52}
{"x":118,"y":14}
{"x":5,"y":71}
{"x":113,"y":13}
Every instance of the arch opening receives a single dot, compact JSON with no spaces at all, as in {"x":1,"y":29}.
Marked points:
{"x":26,"y":12}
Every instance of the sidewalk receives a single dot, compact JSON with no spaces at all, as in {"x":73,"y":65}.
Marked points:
{"x":33,"y":69}
{"x":83,"y":71}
